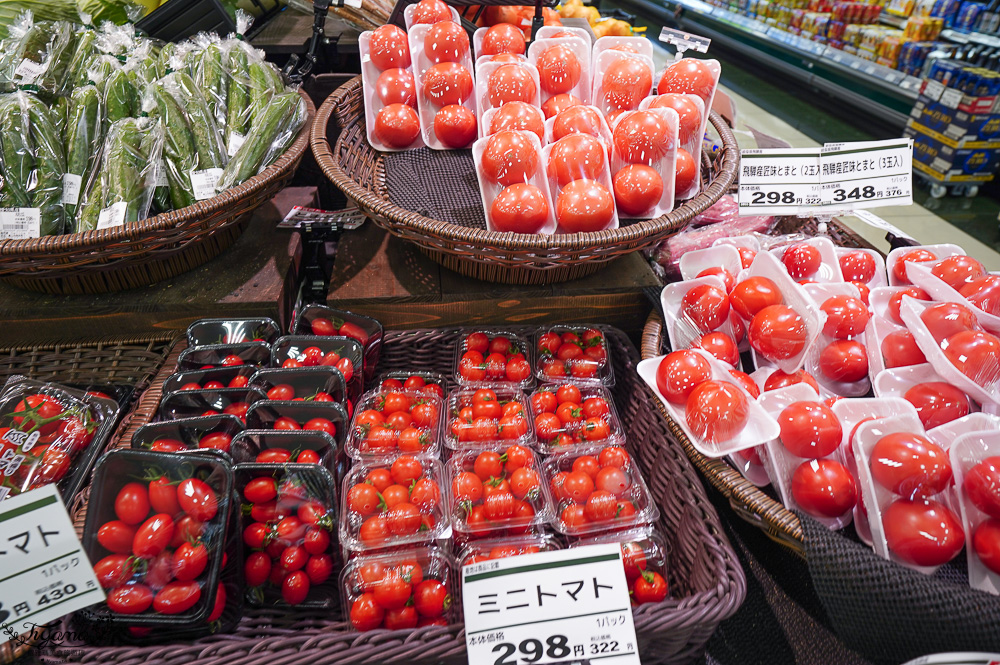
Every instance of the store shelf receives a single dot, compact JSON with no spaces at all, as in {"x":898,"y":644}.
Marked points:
{"x":970,"y":38}
{"x":875,"y":89}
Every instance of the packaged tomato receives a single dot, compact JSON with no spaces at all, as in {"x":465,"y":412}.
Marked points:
{"x":495,"y":357}
{"x":321,"y":383}
{"x":328,"y":417}
{"x":174,"y":520}
{"x":810,"y":260}
{"x":721,"y":260}
{"x":746,"y":245}
{"x":512,"y":183}
{"x":634,"y":45}
{"x":344,"y":353}
{"x":896,"y":259}
{"x":563,"y":32}
{"x":496,"y":491}
{"x":579,"y":181}
{"x":194,"y":403}
{"x":516,"y":116}
{"x":936,"y":401}
{"x":577,"y":120}
{"x":490,"y":549}
{"x":645,"y":556}
{"x":643,"y":161}
{"x":487,"y":415}
{"x":287,"y":522}
{"x":690,"y":130}
{"x":711,"y":405}
{"x":52,"y":434}
{"x":573,"y":353}
{"x":975,"y":459}
{"x":905,"y":480}
{"x":388,"y":422}
{"x":697,"y":315}
{"x":499,"y":39}
{"x":568,"y":415}
{"x":963,"y":280}
{"x":257,"y":354}
{"x":171,"y":436}
{"x":695,"y":77}
{"x":428,"y":382}
{"x":442,"y":66}
{"x":498,"y":83}
{"x":563,"y":66}
{"x":804,"y":461}
{"x":839,"y":358}
{"x":429,"y":12}
{"x":390,"y":94}
{"x":327,"y":321}
{"x":621,"y":81}
{"x":282,"y":447}
{"x":232,"y":331}
{"x":237,"y":376}
{"x":401,"y":590}
{"x":862,"y":266}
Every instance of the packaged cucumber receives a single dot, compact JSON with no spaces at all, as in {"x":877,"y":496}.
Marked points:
{"x":210,"y":75}
{"x":239,"y":110}
{"x":267,"y":139}
{"x":41,"y":46}
{"x":83,"y":54}
{"x":83,"y":143}
{"x":121,"y":96}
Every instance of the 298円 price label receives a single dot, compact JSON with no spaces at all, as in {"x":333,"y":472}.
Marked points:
{"x":551,"y":607}
{"x":782,"y":180}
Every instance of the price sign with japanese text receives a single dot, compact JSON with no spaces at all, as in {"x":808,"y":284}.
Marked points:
{"x":778,"y":181}
{"x":567,"y":606}
{"x":867,"y":174}
{"x":44,"y":572}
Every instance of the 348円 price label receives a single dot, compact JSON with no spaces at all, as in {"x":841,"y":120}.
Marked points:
{"x":867,"y":174}
{"x":552,"y":607}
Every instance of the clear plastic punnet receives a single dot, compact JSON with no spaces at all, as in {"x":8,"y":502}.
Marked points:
{"x":194,"y":403}
{"x":937,"y":401}
{"x":697,"y":315}
{"x":713,"y":408}
{"x":442,"y":83}
{"x":478,"y":551}
{"x":975,"y":459}
{"x":493,"y":356}
{"x":563,"y":66}
{"x":487,"y":415}
{"x":572,"y":353}
{"x":810,"y":260}
{"x":579,"y":183}
{"x":207,"y":379}
{"x":515,"y":192}
{"x":644,"y":161}
{"x":387,"y":422}
{"x":170,"y":436}
{"x":690,"y":130}
{"x":645,"y":556}
{"x":839,"y":358}
{"x":569,"y":415}
{"x":257,"y":354}
{"x":897,"y":272}
{"x":385,"y":88}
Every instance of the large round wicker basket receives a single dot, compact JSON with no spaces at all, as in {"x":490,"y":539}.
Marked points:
{"x":512,"y":258}
{"x":153,"y":249}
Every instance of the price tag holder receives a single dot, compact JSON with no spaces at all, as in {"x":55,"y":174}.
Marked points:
{"x":566,"y":606}
{"x":44,"y":572}
{"x":951,"y":98}
{"x":933,"y":90}
{"x":867,"y":174}
{"x":20,"y":223}
{"x":347,"y":219}
{"x":684,"y":41}
{"x":779,"y":181}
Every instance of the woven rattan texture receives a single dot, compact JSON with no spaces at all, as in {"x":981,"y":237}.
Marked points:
{"x":153,"y":249}
{"x":707,"y":584}
{"x":360,"y":172}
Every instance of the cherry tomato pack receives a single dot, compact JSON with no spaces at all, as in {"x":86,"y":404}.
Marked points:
{"x":215,"y":432}
{"x":210,"y":356}
{"x":194,"y":403}
{"x":572,"y":353}
{"x":232,"y":331}
{"x":321,"y":320}
{"x":490,"y":549}
{"x":280,"y":446}
{"x":387,"y":422}
{"x":236,"y":376}
{"x":566,"y":416}
{"x":645,"y":557}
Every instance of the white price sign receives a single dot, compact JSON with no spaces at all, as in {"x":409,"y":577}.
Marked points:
{"x":867,"y":174}
{"x":551,"y":607}
{"x":779,"y":181}
{"x":20,"y":223}
{"x":44,"y":572}
{"x":203,"y":183}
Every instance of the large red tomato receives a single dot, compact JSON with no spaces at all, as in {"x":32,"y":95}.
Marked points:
{"x":397,"y":125}
{"x":679,"y":372}
{"x":982,"y":486}
{"x":717,"y":411}
{"x":446,"y":41}
{"x":556,"y":104}
{"x":976,"y":354}
{"x":626,"y":82}
{"x":896,"y":300}
{"x":520,"y":208}
{"x":510,"y":83}
{"x":502,"y":38}
{"x":922,"y":532}
{"x":641,"y":138}
{"x":779,"y":379}
{"x":948,"y":318}
{"x":388,"y":48}
{"x":986,"y":544}
{"x":576,"y":156}
{"x":518,"y":116}
{"x":809,"y":429}
{"x":899,"y":349}
{"x":777,"y":332}
{"x":746,"y":383}
{"x":937,"y":403}
{"x":720,"y":346}
{"x":957,"y":271}
{"x":801,"y":260}
{"x":559,"y":69}
{"x":706,"y":306}
{"x":576,"y":120}
{"x":684,"y":171}
{"x":984,"y":293}
{"x":844,"y":360}
{"x":720,"y":272}
{"x":857,"y":266}
{"x":687,"y":111}
{"x":824,"y":488}
{"x":584,"y":206}
{"x":638,"y":188}
{"x":845,"y":317}
{"x":915,"y":255}
{"x":910,"y":465}
{"x":509,"y":157}
{"x":754,"y":294}
{"x":396,"y":86}
{"x":455,"y":126}
{"x":431,"y":11}
{"x":447,"y":83}
{"x":747,"y":255}
{"x":687,"y":76}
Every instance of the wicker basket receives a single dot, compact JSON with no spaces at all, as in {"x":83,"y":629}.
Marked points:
{"x":153,"y":249}
{"x":706,"y":582}
{"x":511,"y":258}
{"x":133,"y":361}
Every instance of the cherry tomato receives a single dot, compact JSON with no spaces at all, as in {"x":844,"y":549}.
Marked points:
{"x":910,"y":465}
{"x":754,"y":294}
{"x":397,"y":125}
{"x":132,"y":503}
{"x":922,"y":532}
{"x":684,"y":172}
{"x":455,"y":126}
{"x":638,"y":188}
{"x":777,"y":332}
{"x":986,"y":544}
{"x":130,"y":599}
{"x":976,"y":354}
{"x":197,"y":499}
{"x":113,"y":571}
{"x":447,"y":83}
{"x":957,"y":271}
{"x":844,"y":360}
{"x":556,"y":104}
{"x":366,"y":614}
{"x":584,"y":206}
{"x":801,"y":260}
{"x":899,"y":349}
{"x":569,"y":393}
{"x":116,"y":537}
{"x":857,"y":266}
{"x":824,"y":488}
{"x":153,"y":536}
{"x":431,"y":598}
{"x":687,"y":111}
{"x":574,"y":157}
{"x":687,"y":76}
{"x":295,"y":588}
{"x":510,"y":83}
{"x":559,"y":69}
{"x":520,"y":116}
{"x":190,"y":561}
{"x":577,"y":120}
{"x":282,"y":391}
{"x":612,"y":479}
{"x":509,"y":158}
{"x":446,"y":41}
{"x":679,"y":373}
{"x":626,"y":82}
{"x":915,"y":255}
{"x":706,"y":306}
{"x":260,"y":490}
{"x":502,"y":38}
{"x":982,"y":486}
{"x":948,"y":318}
{"x":984,"y":293}
{"x":897,"y":299}
{"x":467,"y":486}
{"x":937,"y":403}
{"x":809,"y":429}
{"x":642,"y":137}
{"x":577,"y":486}
{"x":716,"y":411}
{"x":396,"y":86}
{"x":721,"y":346}
{"x":217,"y":441}
{"x":649,"y":588}
{"x":845,"y":317}
{"x":389,"y":48}
{"x":519,"y":208}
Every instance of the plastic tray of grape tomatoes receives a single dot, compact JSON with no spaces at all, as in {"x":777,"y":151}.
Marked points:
{"x":155,"y":532}
{"x":387,"y":422}
{"x":502,"y":548}
{"x":282,"y":447}
{"x":232,"y":331}
{"x":497,"y":491}
{"x":325,"y":321}
{"x":257,"y":354}
{"x":309,"y":384}
{"x":51,"y":434}
{"x":566,"y":415}
{"x":572,"y":353}
{"x":173,"y":436}
{"x":430,"y":382}
{"x":287,"y":522}
{"x":407,"y":589}
{"x":644,"y":556}
{"x":194,"y":403}
{"x":343,"y":353}
{"x":394,"y":503}
{"x":328,"y":417}
{"x":237,"y":376}
{"x":597,"y":489}
{"x":493,"y":356}
{"x":478,"y":416}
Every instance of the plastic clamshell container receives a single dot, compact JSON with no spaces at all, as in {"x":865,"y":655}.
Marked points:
{"x":373,"y":441}
{"x":546,"y":370}
{"x":435,"y":378}
{"x":880,"y":278}
{"x":226,"y":376}
{"x":646,"y":539}
{"x":232,"y":331}
{"x":313,"y":483}
{"x":760,"y":427}
{"x":249,"y":444}
{"x":518,"y":344}
{"x":370,"y":335}
{"x":820,"y":293}
{"x":120,"y":467}
{"x":188,"y":432}
{"x":969,"y":451}
{"x":462,"y":398}
{"x":373,"y":103}
{"x":307,"y":382}
{"x":194,"y":403}
{"x":580,"y":432}
{"x":682,"y":331}
{"x":939,"y":251}
{"x":205,"y":357}
{"x":635,"y":492}
{"x":478,"y":551}
{"x":264,"y":414}
{"x":293,"y":346}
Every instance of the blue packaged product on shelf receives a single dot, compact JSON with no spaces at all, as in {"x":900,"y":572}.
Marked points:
{"x":968,"y":15}
{"x":946,"y":9}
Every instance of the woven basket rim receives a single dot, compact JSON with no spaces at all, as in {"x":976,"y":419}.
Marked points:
{"x":134,"y":231}
{"x":169,"y":337}
{"x":521,"y":242}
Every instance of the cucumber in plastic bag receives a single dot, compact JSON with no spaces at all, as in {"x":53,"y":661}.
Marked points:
{"x":268,"y":138}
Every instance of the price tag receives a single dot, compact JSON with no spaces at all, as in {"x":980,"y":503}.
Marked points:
{"x":20,"y":223}
{"x":951,"y":98}
{"x":28,"y":71}
{"x":204,"y":183}
{"x":684,"y":41}
{"x":71,"y":188}
{"x":778,"y":181}
{"x":161,"y":175}
{"x":933,"y":89}
{"x":552,"y":607}
{"x":44,"y":572}
{"x":867,"y":174}
{"x":112,"y":216}
{"x":236,"y":142}
{"x":349,"y":218}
